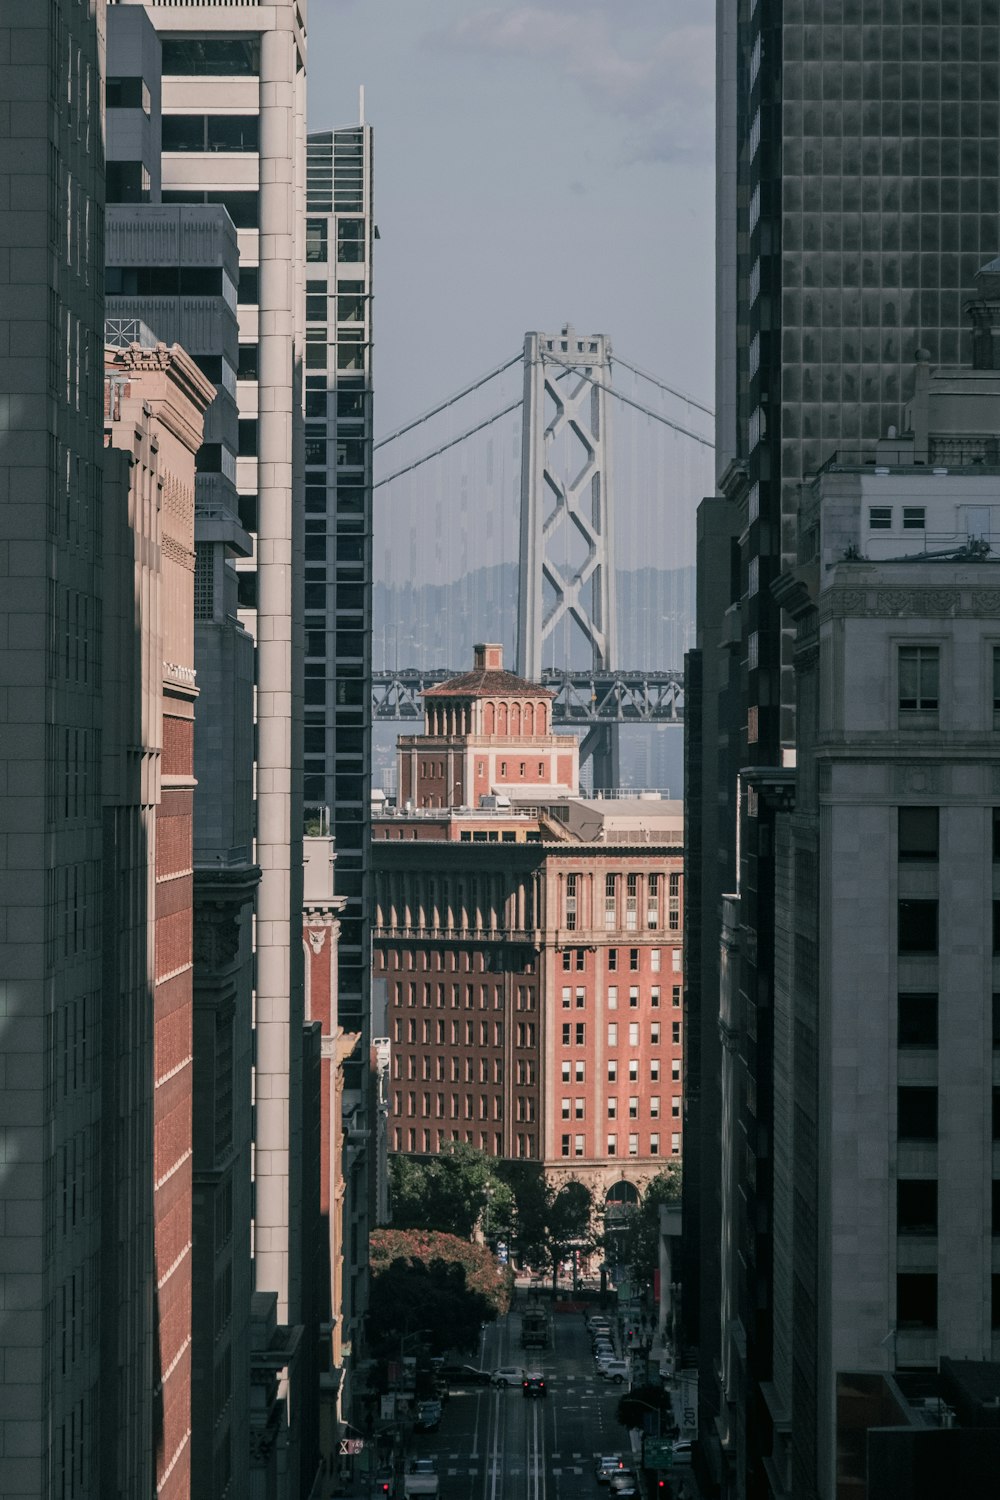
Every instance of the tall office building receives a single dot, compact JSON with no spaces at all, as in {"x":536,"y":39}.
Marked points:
{"x":858,"y":193}
{"x":52,"y":708}
{"x":234,"y":133}
{"x":340,"y":234}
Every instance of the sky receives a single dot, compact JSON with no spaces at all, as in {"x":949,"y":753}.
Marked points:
{"x":534,"y":164}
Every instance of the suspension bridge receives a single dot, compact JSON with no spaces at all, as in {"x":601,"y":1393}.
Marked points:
{"x":577,"y":499}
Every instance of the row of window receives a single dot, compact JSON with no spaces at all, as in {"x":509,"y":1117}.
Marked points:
{"x":576,"y":1071}
{"x":458,"y":1105}
{"x":525,"y":998}
{"x":917,"y":927}
{"x":487,"y":1068}
{"x":918,"y":834}
{"x":917,"y":1020}
{"x":579,"y":997}
{"x":524,"y":1141}
{"x":919,"y":684}
{"x":575,"y":1145}
{"x":917,"y":1112}
{"x":575,"y":1109}
{"x":470,"y":1036}
{"x":574,"y":1033}
{"x":880,"y":518}
{"x":917,"y":1206}
{"x":464,"y":960}
{"x":631,"y":911}
{"x":576,"y":959}
{"x":917,"y":1301}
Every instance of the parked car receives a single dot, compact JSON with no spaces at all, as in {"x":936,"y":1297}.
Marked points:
{"x":428,"y":1416}
{"x":533,"y":1384}
{"x":607,"y":1465}
{"x":615,"y":1370}
{"x":624,"y":1485}
{"x":508,"y":1375}
{"x":465,"y":1375}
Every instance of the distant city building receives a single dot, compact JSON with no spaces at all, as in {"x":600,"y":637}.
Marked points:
{"x":532,"y":949}
{"x":339,"y":246}
{"x":488,"y":733}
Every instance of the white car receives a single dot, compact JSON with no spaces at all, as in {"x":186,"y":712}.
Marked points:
{"x":508,"y":1375}
{"x":615,"y":1370}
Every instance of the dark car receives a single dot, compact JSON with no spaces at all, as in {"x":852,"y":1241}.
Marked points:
{"x":533,"y":1384}
{"x":465,"y":1375}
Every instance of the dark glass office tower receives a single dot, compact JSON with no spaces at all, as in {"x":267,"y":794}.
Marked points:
{"x":858,"y":156}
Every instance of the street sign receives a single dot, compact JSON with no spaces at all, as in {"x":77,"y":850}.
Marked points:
{"x":351,"y":1447}
{"x":657,"y":1453}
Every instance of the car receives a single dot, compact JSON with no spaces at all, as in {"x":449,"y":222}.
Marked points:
{"x":607,"y":1465}
{"x":615,"y":1370}
{"x":598,"y":1322}
{"x":682,"y":1451}
{"x":625,"y":1485}
{"x":428,"y":1416}
{"x":533,"y":1384}
{"x":508,"y":1375}
{"x":465,"y":1375}
{"x":604,"y":1351}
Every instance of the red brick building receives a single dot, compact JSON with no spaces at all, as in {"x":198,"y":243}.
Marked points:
{"x":486,"y":733}
{"x":155,"y":401}
{"x":534,"y":972}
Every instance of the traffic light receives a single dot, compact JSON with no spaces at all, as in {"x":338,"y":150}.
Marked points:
{"x":385,"y":1487}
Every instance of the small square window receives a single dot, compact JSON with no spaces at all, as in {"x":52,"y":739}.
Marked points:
{"x":880,"y":517}
{"x":917,"y":1206}
{"x":914,"y":518}
{"x":918,"y":1020}
{"x":654,"y":1145}
{"x":633,"y":959}
{"x":916,"y":1300}
{"x":918,"y":679}
{"x":612,"y":959}
{"x":564,"y":1144}
{"x":612,"y":1145}
{"x":612,"y":997}
{"x":918,"y":926}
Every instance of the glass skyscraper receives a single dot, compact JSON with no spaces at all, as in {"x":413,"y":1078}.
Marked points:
{"x":858,"y":153}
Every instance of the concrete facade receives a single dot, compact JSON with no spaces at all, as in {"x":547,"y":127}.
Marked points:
{"x":886,"y":1126}
{"x":52,"y":707}
{"x":156,"y":401}
{"x":218,"y":59}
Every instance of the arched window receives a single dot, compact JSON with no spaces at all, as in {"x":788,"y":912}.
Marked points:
{"x":515,"y":718}
{"x":502,"y":719}
{"x":529,"y":718}
{"x":489,"y":719}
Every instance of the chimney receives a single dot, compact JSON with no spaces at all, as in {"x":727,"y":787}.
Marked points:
{"x":489,"y":658}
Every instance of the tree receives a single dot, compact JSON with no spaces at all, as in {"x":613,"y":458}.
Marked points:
{"x":643,"y":1402}
{"x":448,"y":1192}
{"x":439,"y":1285}
{"x":642,"y":1240}
{"x":546,"y":1222}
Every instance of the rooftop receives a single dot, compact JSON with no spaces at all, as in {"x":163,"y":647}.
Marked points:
{"x":488,"y":678}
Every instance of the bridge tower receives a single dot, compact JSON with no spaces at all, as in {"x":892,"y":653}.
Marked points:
{"x":566,"y":578}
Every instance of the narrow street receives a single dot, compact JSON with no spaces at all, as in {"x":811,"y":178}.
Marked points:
{"x":497,"y":1445}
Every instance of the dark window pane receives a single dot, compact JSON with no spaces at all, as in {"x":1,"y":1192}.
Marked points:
{"x":126,"y":93}
{"x":232,"y":132}
{"x":200,"y":281}
{"x":316,"y":403}
{"x":916,"y":1300}
{"x":210,"y":366}
{"x":247,"y":367}
{"x":918,"y":1020}
{"x":248,"y":290}
{"x":918,"y":833}
{"x":917,"y":1110}
{"x":918,"y":926}
{"x":210,"y":57}
{"x":996,"y":1022}
{"x":248,"y":512}
{"x":243,"y":208}
{"x":916,"y":1206}
{"x":183,"y":132}
{"x":126,"y":182}
{"x":316,"y":240}
{"x":247,"y":589}
{"x":248,"y":437}
{"x":351,"y":240}
{"x":208,"y":459}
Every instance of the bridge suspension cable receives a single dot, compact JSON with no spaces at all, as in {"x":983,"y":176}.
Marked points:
{"x":646,"y":410}
{"x":426,"y":457}
{"x":443,"y":406}
{"x":688,"y":400}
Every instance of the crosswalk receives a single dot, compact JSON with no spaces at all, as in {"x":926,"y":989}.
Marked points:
{"x":453,"y":1467}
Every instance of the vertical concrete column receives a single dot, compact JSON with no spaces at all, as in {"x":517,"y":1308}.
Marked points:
{"x":279,"y":1008}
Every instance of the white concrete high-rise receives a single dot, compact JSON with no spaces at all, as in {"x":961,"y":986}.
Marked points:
{"x":242,"y":68}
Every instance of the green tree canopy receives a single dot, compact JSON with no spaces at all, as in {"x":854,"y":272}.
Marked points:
{"x":642,"y":1236}
{"x":449,"y":1192}
{"x":438,"y":1285}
